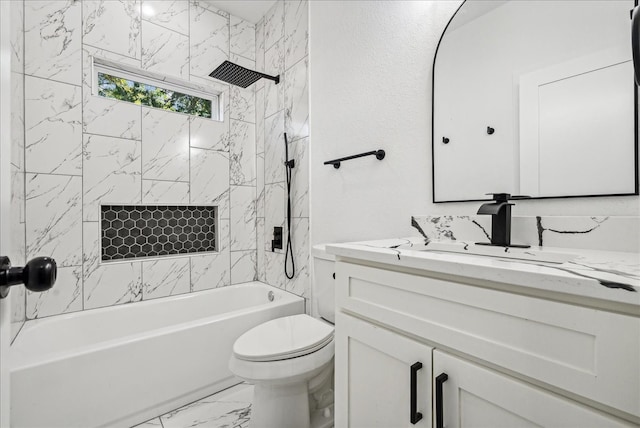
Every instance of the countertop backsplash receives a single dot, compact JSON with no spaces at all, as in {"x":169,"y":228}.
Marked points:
{"x":582,"y":232}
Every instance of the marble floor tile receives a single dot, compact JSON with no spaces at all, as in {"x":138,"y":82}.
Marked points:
{"x":228,"y":408}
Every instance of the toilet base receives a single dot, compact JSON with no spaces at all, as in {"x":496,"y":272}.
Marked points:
{"x":280,"y":406}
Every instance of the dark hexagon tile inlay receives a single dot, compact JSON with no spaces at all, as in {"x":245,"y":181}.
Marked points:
{"x":133,"y":231}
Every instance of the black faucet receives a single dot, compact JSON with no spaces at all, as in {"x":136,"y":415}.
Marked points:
{"x":500,"y":212}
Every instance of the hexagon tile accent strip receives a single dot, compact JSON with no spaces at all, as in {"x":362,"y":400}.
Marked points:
{"x":132,"y":231}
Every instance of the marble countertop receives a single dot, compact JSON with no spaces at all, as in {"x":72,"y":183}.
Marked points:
{"x":606,"y":276}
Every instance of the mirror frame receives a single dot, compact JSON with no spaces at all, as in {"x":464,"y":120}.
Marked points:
{"x":433,"y":142}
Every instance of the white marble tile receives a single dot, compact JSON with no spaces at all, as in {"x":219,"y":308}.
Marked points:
{"x":53,"y":39}
{"x":64,"y":297}
{"x":17,"y":120}
{"x":210,"y":179}
{"x":274,"y":65}
{"x":172,"y":14}
{"x":260,"y":52}
{"x":299,"y":150}
{"x":260,"y":120}
{"x":274,"y":152}
{"x":296,"y":101}
{"x":113,"y":118}
{"x":17,"y":196}
{"x":243,"y":38}
{"x":224,"y":235}
{"x":53,"y":127}
{"x":243,"y":153}
{"x":260,"y":257}
{"x":299,"y":284}
{"x":210,"y":271}
{"x":112,"y":173}
{"x":164,"y":51}
{"x":107,"y":284}
{"x":18,"y":310}
{"x":165,"y":145}
{"x":161,"y":278}
{"x":164,"y":192}
{"x":243,"y":266}
{"x":296,"y":31}
{"x":209,"y":39}
{"x":209,"y":134}
{"x":260,"y":185}
{"x":243,"y":106}
{"x":54,"y":218}
{"x":243,"y":218}
{"x":274,"y":268}
{"x":16,"y":36}
{"x":112,"y":25}
{"x":243,"y":62}
{"x":274,"y":24}
{"x":274,"y":210}
{"x":229,"y":411}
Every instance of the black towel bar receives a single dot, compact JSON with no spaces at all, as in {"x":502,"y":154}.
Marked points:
{"x":336,"y":162}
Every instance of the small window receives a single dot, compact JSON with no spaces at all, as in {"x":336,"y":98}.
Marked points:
{"x":148,"y":91}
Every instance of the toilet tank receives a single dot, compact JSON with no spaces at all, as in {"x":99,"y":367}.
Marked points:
{"x":323,"y":282}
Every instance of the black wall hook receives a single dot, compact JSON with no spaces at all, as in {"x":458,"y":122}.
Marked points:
{"x":490,"y":130}
{"x":445,"y":140}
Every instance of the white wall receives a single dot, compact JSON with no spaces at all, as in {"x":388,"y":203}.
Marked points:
{"x":370,"y":66}
{"x":370,"y":87}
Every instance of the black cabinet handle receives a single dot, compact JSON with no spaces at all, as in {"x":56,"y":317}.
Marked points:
{"x":415,"y":416}
{"x":442,"y":378}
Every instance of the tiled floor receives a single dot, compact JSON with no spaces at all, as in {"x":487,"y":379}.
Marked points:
{"x":230,"y":408}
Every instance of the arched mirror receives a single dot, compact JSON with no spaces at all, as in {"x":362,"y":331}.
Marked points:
{"x":535,"y":98}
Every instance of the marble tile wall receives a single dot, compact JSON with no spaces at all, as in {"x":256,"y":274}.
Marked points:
{"x":282,"y":42}
{"x":17,"y":213}
{"x":79,"y":150}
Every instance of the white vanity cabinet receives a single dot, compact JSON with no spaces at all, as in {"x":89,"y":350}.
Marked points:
{"x":475,"y":396}
{"x":385,"y":377}
{"x":511,"y":360}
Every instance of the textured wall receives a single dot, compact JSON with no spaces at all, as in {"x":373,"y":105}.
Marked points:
{"x":82,"y":150}
{"x":370,"y":89}
{"x":282,"y":48}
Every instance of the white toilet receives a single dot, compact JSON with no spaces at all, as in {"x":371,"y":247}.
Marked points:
{"x":290,"y":360}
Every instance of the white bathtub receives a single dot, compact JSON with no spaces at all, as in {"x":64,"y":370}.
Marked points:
{"x":123,"y":365}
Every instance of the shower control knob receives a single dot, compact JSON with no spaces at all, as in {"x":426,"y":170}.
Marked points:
{"x":38,"y":275}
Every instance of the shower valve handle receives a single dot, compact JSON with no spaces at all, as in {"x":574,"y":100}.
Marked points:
{"x":38,"y":275}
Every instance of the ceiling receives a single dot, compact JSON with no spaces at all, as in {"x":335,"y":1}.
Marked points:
{"x":249,"y":10}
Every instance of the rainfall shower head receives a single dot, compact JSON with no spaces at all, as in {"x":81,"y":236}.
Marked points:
{"x":238,"y":75}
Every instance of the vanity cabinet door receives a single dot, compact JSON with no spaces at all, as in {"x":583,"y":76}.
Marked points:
{"x":375,"y":369}
{"x":474,"y":396}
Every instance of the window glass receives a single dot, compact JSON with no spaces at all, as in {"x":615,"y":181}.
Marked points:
{"x":119,"y":88}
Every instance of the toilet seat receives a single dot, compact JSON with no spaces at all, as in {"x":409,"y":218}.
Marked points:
{"x":283,"y":338}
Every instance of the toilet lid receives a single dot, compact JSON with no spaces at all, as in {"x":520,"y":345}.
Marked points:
{"x":283,"y":338}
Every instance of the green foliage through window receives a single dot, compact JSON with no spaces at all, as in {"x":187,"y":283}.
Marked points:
{"x":140,"y":93}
